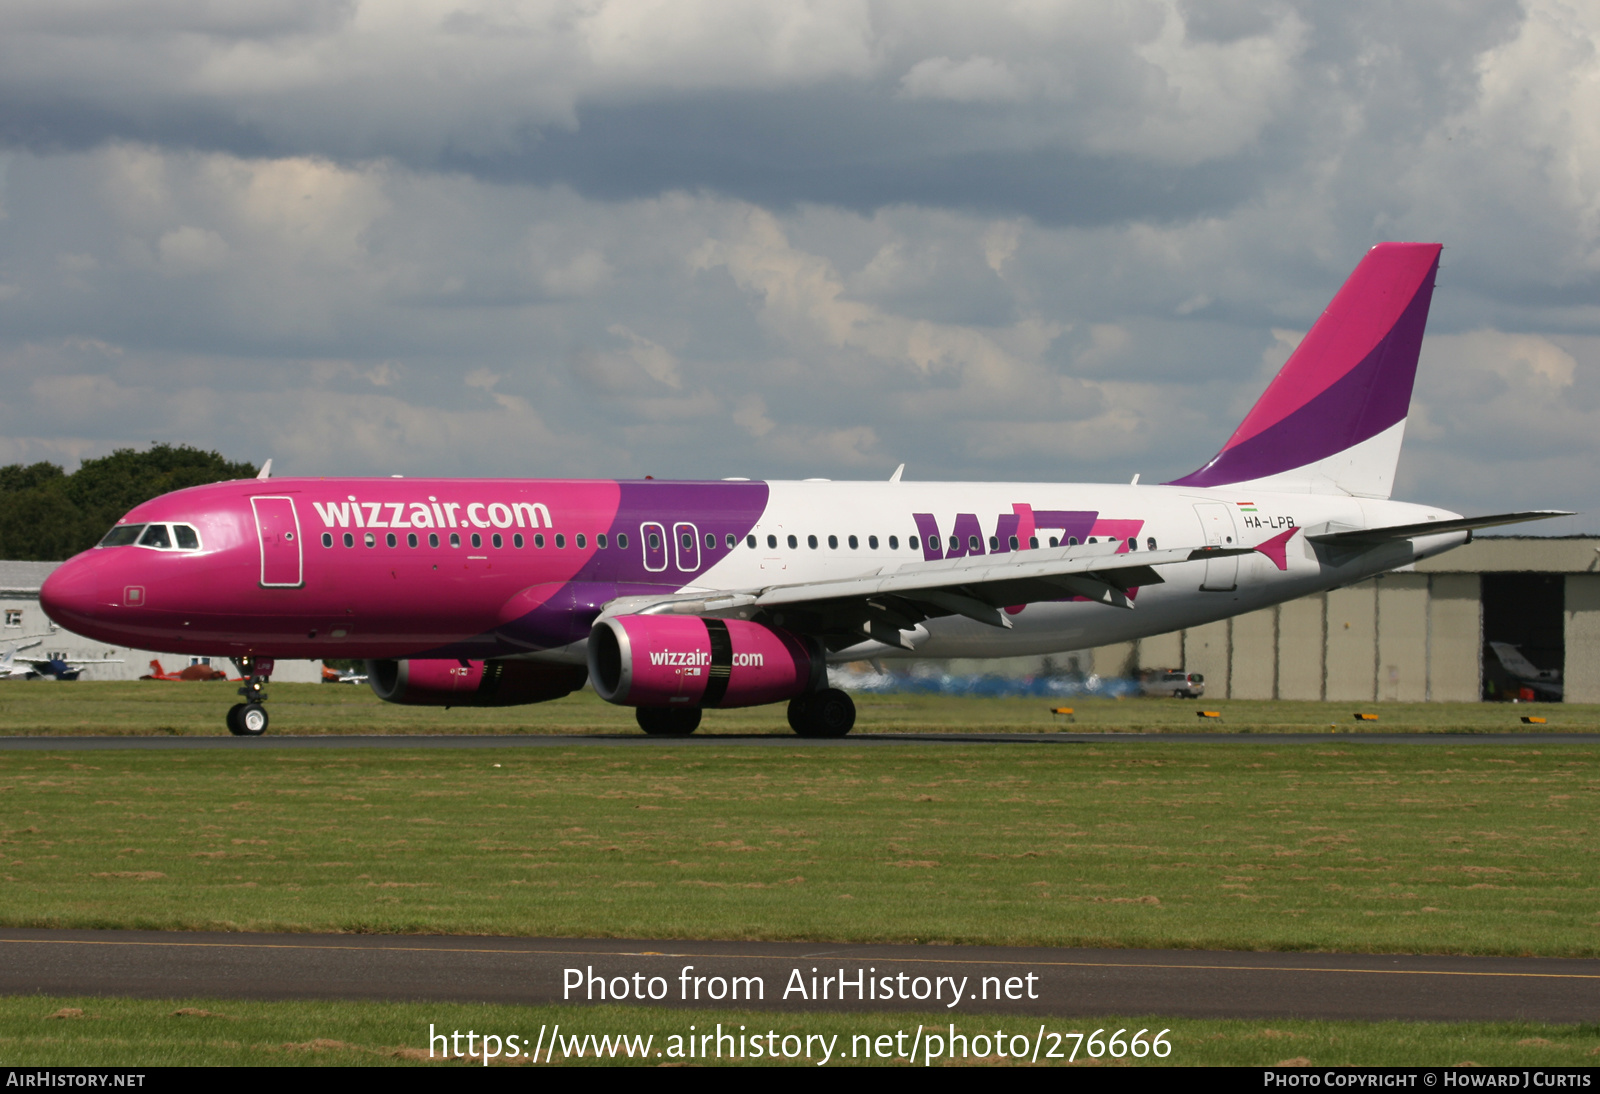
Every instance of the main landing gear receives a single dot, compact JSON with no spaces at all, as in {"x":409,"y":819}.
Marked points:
{"x":249,"y":718}
{"x":826,"y":713}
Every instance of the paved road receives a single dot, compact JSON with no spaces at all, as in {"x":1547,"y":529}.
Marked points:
{"x":855,"y":740}
{"x":1179,"y":983}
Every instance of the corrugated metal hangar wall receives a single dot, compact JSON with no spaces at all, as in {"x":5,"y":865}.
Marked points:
{"x":1411,"y":636}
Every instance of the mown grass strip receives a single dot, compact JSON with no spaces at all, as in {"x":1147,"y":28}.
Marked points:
{"x":184,"y":709}
{"x":41,"y":1031}
{"x":1372,"y":848}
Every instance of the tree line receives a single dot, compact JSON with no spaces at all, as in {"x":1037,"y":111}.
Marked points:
{"x":47,"y":515}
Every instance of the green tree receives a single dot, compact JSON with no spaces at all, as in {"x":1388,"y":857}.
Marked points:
{"x":47,"y":515}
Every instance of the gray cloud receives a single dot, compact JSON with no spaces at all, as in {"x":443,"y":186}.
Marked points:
{"x":1034,"y":241}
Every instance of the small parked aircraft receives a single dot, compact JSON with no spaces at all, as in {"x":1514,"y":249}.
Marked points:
{"x":52,"y":667}
{"x":1544,"y":683}
{"x":198,"y":671}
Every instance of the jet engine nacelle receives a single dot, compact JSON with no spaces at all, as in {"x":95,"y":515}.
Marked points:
{"x":685,"y":660}
{"x":453,"y":683}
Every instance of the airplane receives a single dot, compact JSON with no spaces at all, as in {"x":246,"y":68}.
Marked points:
{"x":188,"y":672}
{"x":332,"y":675}
{"x":674,"y":597}
{"x":13,"y":667}
{"x":1543,"y":683}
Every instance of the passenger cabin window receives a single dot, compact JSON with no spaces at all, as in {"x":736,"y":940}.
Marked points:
{"x":349,"y":539}
{"x":582,"y":541}
{"x":793,"y":543}
{"x":750,"y":541}
{"x":327,"y":539}
{"x":622,"y":541}
{"x":833,"y":543}
{"x":1033,"y":543}
{"x":498,"y":542}
{"x":516,"y":541}
{"x":732,"y":540}
{"x":1013,"y":542}
{"x":1150,"y":543}
{"x":411,"y":539}
{"x":391,"y":541}
{"x":894,"y":543}
{"x":599,"y":541}
{"x":455,"y":538}
{"x":372,"y":539}
{"x":433,"y":539}
{"x":872,"y":541}
{"x":538,"y":540}
{"x":811,"y":541}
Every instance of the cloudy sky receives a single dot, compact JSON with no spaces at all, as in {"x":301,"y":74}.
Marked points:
{"x":777,"y":238}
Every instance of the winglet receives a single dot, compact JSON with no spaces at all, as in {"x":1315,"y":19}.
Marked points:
{"x":266,"y":470}
{"x":897,"y":473}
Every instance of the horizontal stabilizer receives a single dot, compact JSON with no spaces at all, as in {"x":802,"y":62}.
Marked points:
{"x":1434,"y":527}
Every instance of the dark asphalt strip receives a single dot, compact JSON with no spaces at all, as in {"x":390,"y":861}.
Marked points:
{"x":855,"y":740}
{"x":1063,"y":982}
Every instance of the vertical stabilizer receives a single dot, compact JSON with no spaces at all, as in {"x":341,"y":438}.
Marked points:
{"x":1332,"y":420}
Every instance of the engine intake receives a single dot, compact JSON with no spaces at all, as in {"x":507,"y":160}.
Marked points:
{"x":452,"y":683}
{"x":677,"y":660}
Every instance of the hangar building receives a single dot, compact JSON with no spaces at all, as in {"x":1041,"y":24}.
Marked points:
{"x":1421,"y":634}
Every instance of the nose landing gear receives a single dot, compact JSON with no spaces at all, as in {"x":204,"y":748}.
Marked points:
{"x":249,"y":718}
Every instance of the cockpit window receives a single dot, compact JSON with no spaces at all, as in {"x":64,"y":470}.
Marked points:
{"x":122,"y":535}
{"x":156,"y":536}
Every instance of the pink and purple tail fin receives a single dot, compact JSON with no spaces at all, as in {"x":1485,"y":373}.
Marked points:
{"x":1332,"y":419}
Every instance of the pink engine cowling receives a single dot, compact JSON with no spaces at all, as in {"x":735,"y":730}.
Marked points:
{"x":685,"y":660}
{"x":451,"y":683}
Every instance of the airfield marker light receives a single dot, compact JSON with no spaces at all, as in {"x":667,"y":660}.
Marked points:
{"x":1366,"y":717}
{"x":1532,"y":720}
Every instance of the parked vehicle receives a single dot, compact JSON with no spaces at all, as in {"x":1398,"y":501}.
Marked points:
{"x":1174,"y":683}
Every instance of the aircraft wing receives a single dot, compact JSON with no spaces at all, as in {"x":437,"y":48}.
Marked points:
{"x":885,"y":602}
{"x":1432,"y":527}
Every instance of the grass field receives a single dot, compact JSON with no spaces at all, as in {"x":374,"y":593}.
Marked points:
{"x":158,"y":707}
{"x":131,"y":1033}
{"x":1446,"y":849}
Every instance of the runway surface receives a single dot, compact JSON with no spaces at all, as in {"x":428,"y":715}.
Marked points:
{"x":1064,"y":982}
{"x":855,"y":740}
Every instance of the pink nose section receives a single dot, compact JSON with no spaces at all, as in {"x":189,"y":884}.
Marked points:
{"x":74,"y":593}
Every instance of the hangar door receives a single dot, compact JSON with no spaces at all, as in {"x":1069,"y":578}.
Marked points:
{"x":1524,"y":611}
